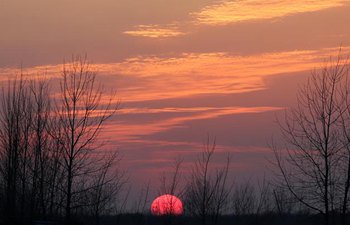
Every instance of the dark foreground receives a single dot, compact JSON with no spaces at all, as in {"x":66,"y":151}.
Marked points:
{"x":139,"y":219}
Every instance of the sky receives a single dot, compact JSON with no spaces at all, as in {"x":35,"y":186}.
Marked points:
{"x":183,"y":69}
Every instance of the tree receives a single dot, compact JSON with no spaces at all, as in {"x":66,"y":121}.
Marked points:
{"x":81,"y":112}
{"x":249,"y":200}
{"x":15,"y":108}
{"x":345,"y":138}
{"x":141,"y":203}
{"x":207,"y":194}
{"x":312,"y":165}
{"x":41,"y":146}
{"x":106,"y":186}
{"x":50,"y":165}
{"x":27,"y":152}
{"x":243,"y":199}
{"x":170,"y":187}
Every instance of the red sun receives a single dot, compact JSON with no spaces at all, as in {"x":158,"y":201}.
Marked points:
{"x":167,"y":205}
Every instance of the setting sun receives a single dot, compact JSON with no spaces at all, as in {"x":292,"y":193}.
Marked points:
{"x":167,"y":205}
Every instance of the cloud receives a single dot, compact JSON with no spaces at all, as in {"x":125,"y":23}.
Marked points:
{"x":192,"y":74}
{"x":227,"y":12}
{"x":182,"y":76}
{"x":135,"y":132}
{"x":129,"y":111}
{"x":155,"y":31}
{"x":147,"y":78}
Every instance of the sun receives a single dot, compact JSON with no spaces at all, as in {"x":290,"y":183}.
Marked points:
{"x":167,"y":205}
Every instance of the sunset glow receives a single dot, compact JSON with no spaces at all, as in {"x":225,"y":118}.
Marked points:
{"x":180,"y":71}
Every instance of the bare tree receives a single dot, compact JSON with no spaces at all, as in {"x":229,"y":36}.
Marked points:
{"x":284,"y":203}
{"x":15,"y":107}
{"x":121,"y":200}
{"x":81,"y":112}
{"x":222,"y":191}
{"x":344,"y":125}
{"x":244,"y":199}
{"x":26,"y":149}
{"x":206,"y":194}
{"x":49,"y":158}
{"x":170,"y":188}
{"x":249,"y":199}
{"x":40,"y":150}
{"x":141,"y":203}
{"x":311,"y":166}
{"x":106,"y":186}
{"x":263,"y":197}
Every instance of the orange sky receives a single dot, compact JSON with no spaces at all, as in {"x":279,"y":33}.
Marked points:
{"x":182,"y":68}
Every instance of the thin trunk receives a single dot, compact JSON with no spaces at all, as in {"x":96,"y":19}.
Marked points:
{"x":69,"y":192}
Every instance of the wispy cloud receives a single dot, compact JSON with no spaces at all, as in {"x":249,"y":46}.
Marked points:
{"x":157,"y":78}
{"x":226,"y":12}
{"x":135,"y":132}
{"x":155,"y":31}
{"x":180,"y":76}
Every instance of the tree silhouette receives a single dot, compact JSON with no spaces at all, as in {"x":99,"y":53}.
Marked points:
{"x":81,"y":112}
{"x":312,"y":167}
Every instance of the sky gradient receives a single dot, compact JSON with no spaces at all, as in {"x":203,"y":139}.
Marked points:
{"x":182,"y":69}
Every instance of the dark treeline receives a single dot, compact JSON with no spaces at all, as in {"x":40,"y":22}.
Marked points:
{"x":54,"y":169}
{"x":50,"y":168}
